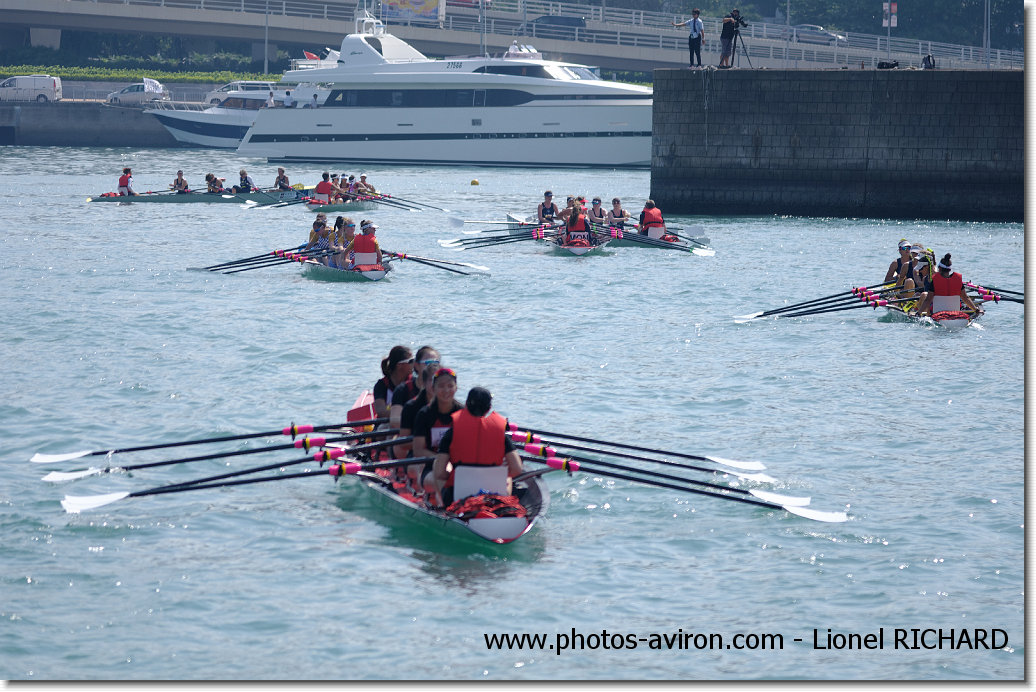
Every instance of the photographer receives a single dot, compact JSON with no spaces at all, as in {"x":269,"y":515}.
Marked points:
{"x":726,"y":38}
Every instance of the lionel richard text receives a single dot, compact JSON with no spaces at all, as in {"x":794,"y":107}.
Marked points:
{"x":911,"y":639}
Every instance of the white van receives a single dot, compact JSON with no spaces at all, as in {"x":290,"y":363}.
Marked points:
{"x":37,"y":87}
{"x":217,"y":95}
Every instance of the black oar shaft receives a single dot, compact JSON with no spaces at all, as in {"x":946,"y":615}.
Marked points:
{"x":623,"y":455}
{"x":618,"y":445}
{"x":816,"y":300}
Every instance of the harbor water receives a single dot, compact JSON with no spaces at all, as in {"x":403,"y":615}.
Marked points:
{"x":107,"y":340}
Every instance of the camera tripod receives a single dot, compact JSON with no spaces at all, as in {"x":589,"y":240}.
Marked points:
{"x":733,"y":47}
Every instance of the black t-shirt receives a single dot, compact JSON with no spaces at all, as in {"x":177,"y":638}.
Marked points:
{"x":382,"y":391}
{"x":405,"y":391}
{"x":410,"y":409}
{"x":431,"y":424}
{"x":728,"y":27}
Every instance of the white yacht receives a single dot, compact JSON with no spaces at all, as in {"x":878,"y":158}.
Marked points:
{"x":388,"y":103}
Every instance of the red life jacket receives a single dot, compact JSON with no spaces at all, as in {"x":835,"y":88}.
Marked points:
{"x":653,"y":218}
{"x":365,"y":243}
{"x":323,"y":188}
{"x":477,"y":441}
{"x":580,"y":224}
{"x":947,"y":285}
{"x":124,"y":180}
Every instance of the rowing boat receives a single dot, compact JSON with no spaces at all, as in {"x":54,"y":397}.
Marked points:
{"x":625,"y":241}
{"x":311,"y":269}
{"x":577,"y":248}
{"x":352,"y":205}
{"x":947,"y":319}
{"x":260,"y":197}
{"x":529,"y":488}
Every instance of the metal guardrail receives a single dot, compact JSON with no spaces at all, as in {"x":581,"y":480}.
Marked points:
{"x":623,"y":27}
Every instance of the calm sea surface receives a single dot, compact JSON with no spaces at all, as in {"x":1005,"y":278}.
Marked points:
{"x":107,"y":341}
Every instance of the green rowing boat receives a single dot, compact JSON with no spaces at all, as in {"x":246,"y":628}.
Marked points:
{"x":260,"y":197}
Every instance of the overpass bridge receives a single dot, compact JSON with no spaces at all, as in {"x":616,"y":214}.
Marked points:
{"x":614,"y":38}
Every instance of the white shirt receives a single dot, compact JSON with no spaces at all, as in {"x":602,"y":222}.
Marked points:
{"x":697,"y":28}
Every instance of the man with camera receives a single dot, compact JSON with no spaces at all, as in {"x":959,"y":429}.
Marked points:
{"x":726,"y":38}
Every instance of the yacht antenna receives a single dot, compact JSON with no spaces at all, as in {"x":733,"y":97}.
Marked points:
{"x":482,"y":27}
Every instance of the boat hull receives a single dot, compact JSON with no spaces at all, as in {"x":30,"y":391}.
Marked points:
{"x":312,"y":269}
{"x":952,"y":321}
{"x":353,"y":206}
{"x":272,"y":197}
{"x":223,"y":129}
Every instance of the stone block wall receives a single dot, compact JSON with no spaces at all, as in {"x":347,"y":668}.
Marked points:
{"x":901,"y":144}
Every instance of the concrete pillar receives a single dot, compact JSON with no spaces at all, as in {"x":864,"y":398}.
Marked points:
{"x":257,"y":52}
{"x":44,"y":38}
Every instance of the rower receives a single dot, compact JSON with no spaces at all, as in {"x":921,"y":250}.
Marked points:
{"x":570,"y":203}
{"x":948,"y":291}
{"x":320,"y":240}
{"x":408,"y":412}
{"x":577,"y":230}
{"x":433,"y":420}
{"x":363,"y":187}
{"x":345,"y":232}
{"x":922,"y":279}
{"x":617,"y":216}
{"x":322,"y":192}
{"x":395,"y":369}
{"x":337,"y":193}
{"x":596,"y":213}
{"x":126,"y":183}
{"x":426,"y":357}
{"x":477,"y":438}
{"x":547,"y":210}
{"x":896,"y":267}
{"x":213,"y":184}
{"x":282,"y":183}
{"x":352,"y":188}
{"x":365,"y":246}
{"x":245,"y":184}
{"x":180,"y":184}
{"x":651,"y":223}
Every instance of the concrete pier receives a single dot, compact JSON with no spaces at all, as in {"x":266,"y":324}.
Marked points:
{"x":80,"y":125}
{"x":901,"y":144}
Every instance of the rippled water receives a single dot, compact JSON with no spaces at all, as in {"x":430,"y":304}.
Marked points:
{"x":108,"y":341}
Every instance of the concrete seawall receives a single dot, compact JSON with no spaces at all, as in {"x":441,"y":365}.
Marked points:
{"x":80,"y":125}
{"x":899,"y":144}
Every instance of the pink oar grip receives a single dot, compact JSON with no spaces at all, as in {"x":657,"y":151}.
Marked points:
{"x":562,"y":464}
{"x":328,"y":454}
{"x":297,"y":430}
{"x":308,"y":442}
{"x":540,"y":450}
{"x":524,"y":437}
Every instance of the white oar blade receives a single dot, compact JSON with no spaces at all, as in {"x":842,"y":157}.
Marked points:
{"x":703,"y":252}
{"x":815,"y":515}
{"x":779,"y":499}
{"x":57,"y":476}
{"x":757,"y":477}
{"x":74,"y":504}
{"x":449,"y":243}
{"x":746,"y":318}
{"x":743,"y":465}
{"x":55,"y":458}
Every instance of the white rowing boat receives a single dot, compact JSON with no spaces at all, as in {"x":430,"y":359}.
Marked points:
{"x":393,"y":492}
{"x":311,"y":269}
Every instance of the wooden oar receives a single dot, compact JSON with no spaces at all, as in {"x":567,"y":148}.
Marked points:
{"x":292,"y":430}
{"x":524,"y":439}
{"x":74,"y":504}
{"x":794,"y":306}
{"x":773,"y":503}
{"x":743,"y":465}
{"x":306,"y":443}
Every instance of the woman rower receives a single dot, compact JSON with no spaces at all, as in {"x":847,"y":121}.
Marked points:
{"x":180,"y":184}
{"x":321,"y":241}
{"x":213,"y":184}
{"x":425,"y":358}
{"x":617,"y":216}
{"x":245,"y":184}
{"x":476,"y":438}
{"x":433,"y":420}
{"x":395,"y":369}
{"x":948,"y":291}
{"x":596,"y":213}
{"x":281,"y":182}
{"x":126,"y":183}
{"x":345,"y":232}
{"x":547,"y":210}
{"x":425,"y":394}
{"x":896,"y":268}
{"x":570,"y":204}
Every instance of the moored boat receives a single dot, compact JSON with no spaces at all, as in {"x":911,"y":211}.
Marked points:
{"x":229,"y":197}
{"x":530,"y":490}
{"x":311,"y":269}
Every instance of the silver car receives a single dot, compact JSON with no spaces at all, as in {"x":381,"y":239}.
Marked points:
{"x":135,"y":94}
{"x":813,"y":33}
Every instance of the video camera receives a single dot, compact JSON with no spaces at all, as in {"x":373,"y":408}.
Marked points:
{"x":738,"y":19}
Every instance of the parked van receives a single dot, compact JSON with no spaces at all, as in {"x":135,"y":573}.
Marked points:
{"x":37,"y":87}
{"x":557,"y":26}
{"x":217,"y":95}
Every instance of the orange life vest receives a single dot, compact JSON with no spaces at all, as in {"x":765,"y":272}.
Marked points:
{"x":124,"y":180}
{"x":653,"y":218}
{"x":477,"y":441}
{"x":365,"y":243}
{"x":947,"y":285}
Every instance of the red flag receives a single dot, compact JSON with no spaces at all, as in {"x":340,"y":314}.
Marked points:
{"x":310,"y":56}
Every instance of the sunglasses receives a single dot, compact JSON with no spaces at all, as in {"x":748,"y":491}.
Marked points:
{"x":350,"y":225}
{"x":407,"y":361}
{"x":429,"y":362}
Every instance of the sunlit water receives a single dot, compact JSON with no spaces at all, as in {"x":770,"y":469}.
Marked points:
{"x":106,"y":340}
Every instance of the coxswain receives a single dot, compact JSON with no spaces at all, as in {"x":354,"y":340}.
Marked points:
{"x":651,"y":223}
{"x":432,"y":422}
{"x":948,"y":291}
{"x":126,"y":183}
{"x":324,"y":189}
{"x":596,"y":213}
{"x":395,"y":369}
{"x":365,"y":246}
{"x":363,"y":187}
{"x":547,"y":210}
{"x":245,"y":184}
{"x":282,"y":182}
{"x":898,"y":267}
{"x":478,"y":437}
{"x":617,"y":216}
{"x":577,"y":230}
{"x":180,"y":184}
{"x":213,"y":184}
